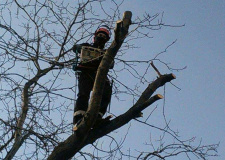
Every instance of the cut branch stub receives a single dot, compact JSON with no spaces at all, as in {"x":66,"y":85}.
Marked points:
{"x":122,"y":27}
{"x":127,"y":19}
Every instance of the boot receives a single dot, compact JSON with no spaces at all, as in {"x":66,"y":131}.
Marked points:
{"x":78,"y":116}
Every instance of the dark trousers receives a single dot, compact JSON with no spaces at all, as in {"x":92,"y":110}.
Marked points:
{"x":85,"y":85}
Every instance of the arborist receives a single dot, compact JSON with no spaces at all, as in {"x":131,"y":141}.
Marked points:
{"x":90,"y":58}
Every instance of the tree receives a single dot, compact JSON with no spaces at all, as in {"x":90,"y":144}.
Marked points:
{"x":36,"y":58}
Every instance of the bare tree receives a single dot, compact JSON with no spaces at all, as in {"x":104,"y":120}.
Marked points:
{"x":36,"y":98}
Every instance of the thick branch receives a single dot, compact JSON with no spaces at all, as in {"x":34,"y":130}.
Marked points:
{"x":73,"y":143}
{"x":153,"y":86}
{"x":141,"y":104}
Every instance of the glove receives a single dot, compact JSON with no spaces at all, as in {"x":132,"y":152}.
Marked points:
{"x":77,"y":48}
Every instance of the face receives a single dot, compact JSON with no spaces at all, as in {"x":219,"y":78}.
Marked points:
{"x":100,"y":40}
{"x":102,"y":35}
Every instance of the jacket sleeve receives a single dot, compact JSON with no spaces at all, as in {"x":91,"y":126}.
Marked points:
{"x":77,"y":47}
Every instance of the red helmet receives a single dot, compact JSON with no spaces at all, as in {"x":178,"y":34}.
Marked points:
{"x":103,"y":29}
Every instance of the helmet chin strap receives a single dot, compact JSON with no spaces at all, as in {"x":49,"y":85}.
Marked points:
{"x":100,"y":46}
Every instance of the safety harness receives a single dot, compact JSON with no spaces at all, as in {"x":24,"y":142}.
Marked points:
{"x":88,"y":55}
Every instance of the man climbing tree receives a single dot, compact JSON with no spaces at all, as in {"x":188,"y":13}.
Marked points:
{"x":91,"y":56}
{"x":36,"y":93}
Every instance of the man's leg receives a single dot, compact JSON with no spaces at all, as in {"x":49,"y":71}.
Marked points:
{"x":85,"y":85}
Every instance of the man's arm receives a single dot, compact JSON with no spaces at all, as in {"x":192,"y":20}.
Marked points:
{"x":77,"y":47}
